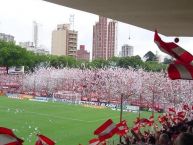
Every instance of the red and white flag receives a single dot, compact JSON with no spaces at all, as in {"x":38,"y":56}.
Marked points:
{"x":186,"y":107}
{"x":7,"y":137}
{"x":181,"y":114}
{"x":106,"y":130}
{"x":94,"y":141}
{"x":143,"y":121}
{"x":174,"y":50}
{"x":140,"y":123}
{"x":43,"y":140}
{"x":172,"y":111}
{"x":151,"y":119}
{"x":182,"y":68}
{"x":180,"y":71}
{"x":136,"y":128}
{"x":162,"y":119}
{"x":122,"y":128}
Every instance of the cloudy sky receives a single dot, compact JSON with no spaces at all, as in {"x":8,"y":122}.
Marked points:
{"x":16,"y":17}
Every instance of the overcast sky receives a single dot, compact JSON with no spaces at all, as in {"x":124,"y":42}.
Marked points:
{"x":16,"y":17}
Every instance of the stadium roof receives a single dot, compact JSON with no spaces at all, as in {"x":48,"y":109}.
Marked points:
{"x":170,"y":17}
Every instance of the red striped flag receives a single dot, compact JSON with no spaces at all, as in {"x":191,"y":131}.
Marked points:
{"x":162,"y":119}
{"x":180,"y":71}
{"x":143,"y":121}
{"x":186,"y":107}
{"x":106,"y":130}
{"x":122,"y":128}
{"x":136,"y":128}
{"x":140,"y":123}
{"x":94,"y":141}
{"x":182,"y":68}
{"x":151,"y":119}
{"x":174,"y":50}
{"x":172,"y":111}
{"x":43,"y":140}
{"x":7,"y":137}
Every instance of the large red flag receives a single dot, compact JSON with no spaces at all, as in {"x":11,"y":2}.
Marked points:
{"x":182,"y":68}
{"x":122,"y":128}
{"x":174,"y":50}
{"x":106,"y":130}
{"x":180,"y":71}
{"x":7,"y":137}
{"x":43,"y":140}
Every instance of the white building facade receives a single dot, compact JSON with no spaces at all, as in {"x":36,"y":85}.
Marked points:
{"x":126,"y":50}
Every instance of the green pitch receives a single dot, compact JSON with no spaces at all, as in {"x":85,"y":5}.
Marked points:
{"x":66,"y":124}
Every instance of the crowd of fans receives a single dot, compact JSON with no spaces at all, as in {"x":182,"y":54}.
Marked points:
{"x":176,"y":128}
{"x":103,"y":84}
{"x":181,"y":134}
{"x":109,"y":85}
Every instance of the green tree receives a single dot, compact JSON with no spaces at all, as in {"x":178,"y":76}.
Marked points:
{"x":150,"y":56}
{"x":153,"y":66}
{"x":133,"y":61}
{"x":99,"y":63}
{"x":167,"y":60}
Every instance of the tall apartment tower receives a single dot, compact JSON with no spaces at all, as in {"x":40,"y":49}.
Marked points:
{"x":64,"y":41}
{"x":35,"y":34}
{"x":126,"y":50}
{"x":111,"y":39}
{"x":104,"y":39}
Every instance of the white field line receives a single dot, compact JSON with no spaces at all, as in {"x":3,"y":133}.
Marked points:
{"x":59,"y":117}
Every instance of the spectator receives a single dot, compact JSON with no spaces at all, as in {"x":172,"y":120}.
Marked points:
{"x":184,"y":139}
{"x":164,"y":139}
{"x":151,"y":140}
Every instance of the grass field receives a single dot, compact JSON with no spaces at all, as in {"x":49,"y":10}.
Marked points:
{"x":64,"y":123}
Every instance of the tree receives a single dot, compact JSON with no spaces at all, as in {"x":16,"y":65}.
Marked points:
{"x":133,"y":61}
{"x":154,"y":66}
{"x":99,"y":63}
{"x":167,"y":60}
{"x":12,"y":55}
{"x":150,"y":56}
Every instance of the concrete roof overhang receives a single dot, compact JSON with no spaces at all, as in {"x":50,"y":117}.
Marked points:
{"x":170,"y":17}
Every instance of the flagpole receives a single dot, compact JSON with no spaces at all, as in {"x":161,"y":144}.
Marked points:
{"x":121,"y":114}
